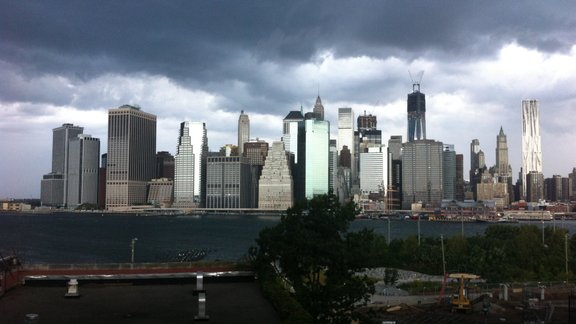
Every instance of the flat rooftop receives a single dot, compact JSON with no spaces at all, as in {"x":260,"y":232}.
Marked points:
{"x":144,"y":301}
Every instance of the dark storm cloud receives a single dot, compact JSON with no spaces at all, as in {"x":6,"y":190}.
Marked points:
{"x":210,"y":44}
{"x":187,"y":38}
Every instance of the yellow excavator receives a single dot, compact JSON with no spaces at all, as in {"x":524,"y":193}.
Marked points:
{"x":461,"y":302}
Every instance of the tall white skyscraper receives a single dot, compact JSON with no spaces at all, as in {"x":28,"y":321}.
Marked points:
{"x":199,"y":140}
{"x":184,"y":169}
{"x":243,"y":131}
{"x":531,"y":144}
{"x":83,"y":164}
{"x":131,"y":156}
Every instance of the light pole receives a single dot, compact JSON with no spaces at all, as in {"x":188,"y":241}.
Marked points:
{"x":566,"y":253}
{"x":389,"y":230}
{"x":133,"y":245}
{"x":443,"y":258}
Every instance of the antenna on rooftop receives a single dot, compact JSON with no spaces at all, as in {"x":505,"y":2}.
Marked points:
{"x":416,"y":81}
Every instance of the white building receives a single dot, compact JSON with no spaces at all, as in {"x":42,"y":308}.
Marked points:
{"x":276,"y":183}
{"x":184,"y":169}
{"x":531,"y":144}
{"x":243,"y":131}
{"x":373,"y":169}
{"x":199,"y":140}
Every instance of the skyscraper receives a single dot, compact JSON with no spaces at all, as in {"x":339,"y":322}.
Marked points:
{"x":199,"y":140}
{"x":366,"y":122}
{"x":477,"y":165}
{"x":184,"y":169}
{"x":164,"y":165}
{"x":243,"y":131}
{"x":448,"y":172}
{"x":333,"y":167}
{"x":459,"y":187}
{"x":290,"y":132}
{"x":276,"y":184}
{"x":313,"y":152}
{"x":319,"y":108}
{"x":531,"y":147}
{"x":228,"y":182}
{"x":83,"y":165}
{"x":422,"y":173}
{"x":54,"y":188}
{"x":131,"y":156}
{"x":394,"y":190}
{"x":346,"y":138}
{"x":373,"y":169}
{"x":416,"y":114}
{"x":502,"y":166}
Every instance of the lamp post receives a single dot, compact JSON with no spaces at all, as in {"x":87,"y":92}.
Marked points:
{"x":566,"y":252}
{"x":443,"y":258}
{"x":133,"y":245}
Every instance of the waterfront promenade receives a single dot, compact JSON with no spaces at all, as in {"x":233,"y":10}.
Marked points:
{"x":136,"y":293}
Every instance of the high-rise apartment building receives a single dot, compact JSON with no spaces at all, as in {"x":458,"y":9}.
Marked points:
{"x":531,"y":144}
{"x":131,"y":156}
{"x":54,"y":188}
{"x":416,"y":114}
{"x":319,"y":108}
{"x":199,"y":140}
{"x":83,"y":166}
{"x":422,"y":173}
{"x":184,"y":169}
{"x":243,"y":131}
{"x":276,"y":188}
{"x":290,"y":132}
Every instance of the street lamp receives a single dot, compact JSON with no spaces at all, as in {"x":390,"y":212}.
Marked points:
{"x":133,"y":245}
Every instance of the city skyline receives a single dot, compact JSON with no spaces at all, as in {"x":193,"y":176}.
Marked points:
{"x":78,"y":60}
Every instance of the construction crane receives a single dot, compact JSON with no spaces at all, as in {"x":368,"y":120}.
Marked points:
{"x":461,"y":301}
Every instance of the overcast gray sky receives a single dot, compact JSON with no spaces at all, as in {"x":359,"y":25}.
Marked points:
{"x":70,"y":61}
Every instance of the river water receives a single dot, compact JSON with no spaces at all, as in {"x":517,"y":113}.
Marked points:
{"x":106,"y":238}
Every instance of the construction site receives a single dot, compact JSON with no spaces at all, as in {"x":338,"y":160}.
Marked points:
{"x":466,"y":298}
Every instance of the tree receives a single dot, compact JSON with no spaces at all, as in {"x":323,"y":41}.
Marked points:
{"x":313,"y":249}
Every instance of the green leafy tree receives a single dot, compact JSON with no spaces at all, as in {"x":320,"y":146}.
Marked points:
{"x":313,"y":249}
